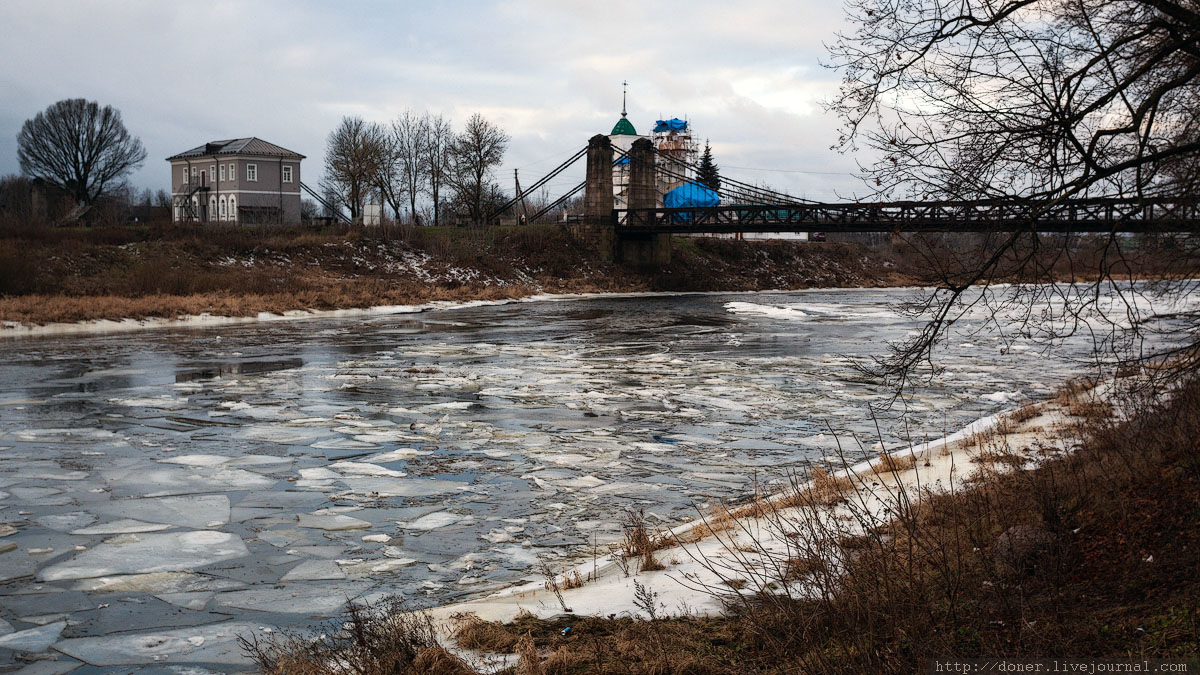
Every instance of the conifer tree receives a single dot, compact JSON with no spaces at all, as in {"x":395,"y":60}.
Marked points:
{"x":708,"y":174}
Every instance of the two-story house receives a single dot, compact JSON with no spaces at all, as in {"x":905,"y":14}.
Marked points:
{"x":246,"y":180}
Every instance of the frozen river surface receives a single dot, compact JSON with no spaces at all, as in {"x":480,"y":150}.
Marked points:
{"x":163,"y":492}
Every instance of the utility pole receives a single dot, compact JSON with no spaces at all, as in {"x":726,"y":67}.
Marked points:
{"x":521,"y":208}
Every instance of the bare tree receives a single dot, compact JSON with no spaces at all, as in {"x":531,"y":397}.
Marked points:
{"x":439,"y":141}
{"x":354,"y":154}
{"x":410,"y":135}
{"x":389,"y":181}
{"x":475,"y":153}
{"x":1033,"y":101}
{"x":79,"y":147}
{"x":162,"y":198}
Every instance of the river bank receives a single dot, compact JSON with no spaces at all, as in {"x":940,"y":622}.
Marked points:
{"x":127,"y":274}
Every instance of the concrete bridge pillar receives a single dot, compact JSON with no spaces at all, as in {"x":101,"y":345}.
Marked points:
{"x":596,"y":230}
{"x":643,"y":250}
{"x":598,"y":188}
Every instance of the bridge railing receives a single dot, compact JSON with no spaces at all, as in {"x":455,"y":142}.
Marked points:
{"x":1081,"y":215}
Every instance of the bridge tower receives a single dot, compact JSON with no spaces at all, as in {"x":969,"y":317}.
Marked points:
{"x":597,"y":227}
{"x":643,"y":250}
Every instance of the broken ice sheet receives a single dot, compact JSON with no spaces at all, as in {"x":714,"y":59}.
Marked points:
{"x":167,"y":481}
{"x":34,"y":640}
{"x":191,"y":511}
{"x":328,"y":521}
{"x":139,"y":554}
{"x":214,"y":643}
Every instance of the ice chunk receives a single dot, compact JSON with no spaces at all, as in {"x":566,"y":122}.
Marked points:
{"x":396,"y":455}
{"x":318,"y":474}
{"x":376,"y":538}
{"x":65,"y":522}
{"x":167,"y":481}
{"x":123,"y":526}
{"x":315,"y":570}
{"x":34,"y":640}
{"x":327,"y":599}
{"x":365,"y":469}
{"x":174,"y":552}
{"x":194,"y":600}
{"x":185,"y":511}
{"x":220,"y":645}
{"x":197,"y":460}
{"x":356,"y":567}
{"x":325,"y":521}
{"x":157,"y":582}
{"x":433,"y":521}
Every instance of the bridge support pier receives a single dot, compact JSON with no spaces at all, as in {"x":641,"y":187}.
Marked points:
{"x":597,"y":229}
{"x":642,"y":250}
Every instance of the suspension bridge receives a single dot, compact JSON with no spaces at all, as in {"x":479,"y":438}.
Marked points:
{"x":641,"y":230}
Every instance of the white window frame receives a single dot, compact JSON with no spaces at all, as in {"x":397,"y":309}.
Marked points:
{"x":232,"y":208}
{"x":252,"y":173}
{"x":287,"y":173}
{"x":195,"y":173}
{"x":233,"y":171}
{"x":212,"y":208}
{"x":185,"y":175}
{"x":222,"y":173}
{"x":212,"y":173}
{"x":224,"y":213}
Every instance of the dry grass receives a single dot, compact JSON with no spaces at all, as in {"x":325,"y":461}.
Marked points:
{"x":80,"y":274}
{"x":640,"y":543}
{"x":384,"y":640}
{"x":887,"y":463}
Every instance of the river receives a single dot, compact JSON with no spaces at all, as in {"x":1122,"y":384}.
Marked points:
{"x":167,"y":489}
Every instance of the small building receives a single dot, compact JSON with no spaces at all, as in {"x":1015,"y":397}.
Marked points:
{"x":245,"y":180}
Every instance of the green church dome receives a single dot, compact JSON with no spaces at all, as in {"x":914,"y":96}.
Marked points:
{"x":623,"y":127}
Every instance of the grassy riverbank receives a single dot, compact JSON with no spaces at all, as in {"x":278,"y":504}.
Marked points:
{"x":1091,"y":552}
{"x":63,"y":275}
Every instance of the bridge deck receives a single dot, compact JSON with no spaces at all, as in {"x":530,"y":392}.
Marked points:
{"x":1084,"y":215}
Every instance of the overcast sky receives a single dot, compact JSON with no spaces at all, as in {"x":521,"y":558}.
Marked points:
{"x":746,"y":74}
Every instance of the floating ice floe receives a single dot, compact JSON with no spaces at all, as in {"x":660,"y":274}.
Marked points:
{"x":213,"y":643}
{"x":34,"y":640}
{"x":434,"y":521}
{"x":190,"y":511}
{"x":123,"y":526}
{"x":329,"y":521}
{"x":315,"y":570}
{"x":366,"y":469}
{"x":140,"y":554}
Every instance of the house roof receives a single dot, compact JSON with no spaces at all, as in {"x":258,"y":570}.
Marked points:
{"x":238,"y":146}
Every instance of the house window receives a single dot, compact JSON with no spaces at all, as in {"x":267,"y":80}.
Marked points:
{"x":222,"y":172}
{"x":232,"y":209}
{"x":232,"y":171}
{"x":185,"y":175}
{"x":212,"y":172}
{"x":252,"y":172}
{"x":224,"y":214}
{"x":194,"y":169}
{"x":287,"y":174}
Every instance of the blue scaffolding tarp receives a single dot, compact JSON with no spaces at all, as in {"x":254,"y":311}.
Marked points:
{"x":689,"y":196}
{"x":673,"y":124}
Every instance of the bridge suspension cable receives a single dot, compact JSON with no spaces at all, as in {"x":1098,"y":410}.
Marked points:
{"x":534,"y":187}
{"x":739,"y":190}
{"x":746,"y":187}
